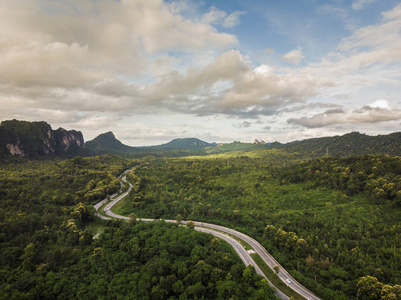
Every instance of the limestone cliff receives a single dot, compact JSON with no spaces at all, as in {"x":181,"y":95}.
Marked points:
{"x":30,"y":139}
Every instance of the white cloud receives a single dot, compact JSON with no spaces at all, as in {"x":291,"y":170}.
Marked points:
{"x":360,"y":4}
{"x":382,"y":35}
{"x":381,"y":104}
{"x":214,"y":16}
{"x":100,"y":61}
{"x":230,"y":86}
{"x":294,"y":56}
{"x":75,"y":46}
{"x":369,"y":58}
{"x":232,"y":20}
{"x":219,"y":17}
{"x":86,"y":56}
{"x":378,"y":111}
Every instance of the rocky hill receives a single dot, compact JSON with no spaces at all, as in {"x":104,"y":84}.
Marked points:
{"x":31,"y":139}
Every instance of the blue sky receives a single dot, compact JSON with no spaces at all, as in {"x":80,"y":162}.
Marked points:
{"x":152,"y":70}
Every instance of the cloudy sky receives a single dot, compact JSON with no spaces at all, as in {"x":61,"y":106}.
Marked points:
{"x":152,"y":70}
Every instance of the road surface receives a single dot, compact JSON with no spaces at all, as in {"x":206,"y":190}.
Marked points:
{"x":211,"y":228}
{"x":242,"y":253}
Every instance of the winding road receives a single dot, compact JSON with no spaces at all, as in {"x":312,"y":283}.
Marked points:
{"x":220,"y":232}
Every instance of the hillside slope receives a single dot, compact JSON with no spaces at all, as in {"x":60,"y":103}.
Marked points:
{"x":350,"y":144}
{"x":186,"y":143}
{"x":108,"y":143}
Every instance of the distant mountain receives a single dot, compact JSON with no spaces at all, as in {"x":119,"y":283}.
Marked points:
{"x":236,"y":146}
{"x":31,"y":139}
{"x":187,"y":144}
{"x":108,"y":143}
{"x":349,"y":144}
{"x":353,"y":143}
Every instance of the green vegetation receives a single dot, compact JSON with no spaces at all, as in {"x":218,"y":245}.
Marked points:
{"x":329,"y":221}
{"x":353,"y":143}
{"x":277,"y":282}
{"x":107,"y":143}
{"x":186,"y":143}
{"x":370,"y":288}
{"x":350,"y":144}
{"x":47,"y":231}
{"x":33,"y":139}
{"x":333,"y":222}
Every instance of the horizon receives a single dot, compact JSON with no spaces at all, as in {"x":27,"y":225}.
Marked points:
{"x":153,"y":71}
{"x":236,"y":141}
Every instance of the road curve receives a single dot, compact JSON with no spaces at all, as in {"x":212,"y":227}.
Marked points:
{"x":243,"y":255}
{"x":266,"y":256}
{"x":211,"y":228}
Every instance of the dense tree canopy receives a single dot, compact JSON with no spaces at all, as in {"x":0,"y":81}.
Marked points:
{"x":51,"y":249}
{"x":330,"y":221}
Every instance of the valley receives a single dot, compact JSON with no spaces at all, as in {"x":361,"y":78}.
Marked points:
{"x":332,"y":223}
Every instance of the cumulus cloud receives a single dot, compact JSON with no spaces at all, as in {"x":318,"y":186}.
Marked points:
{"x":77,"y":46}
{"x":229,"y":85}
{"x":107,"y":59}
{"x":294,"y":56}
{"x":378,"y":111}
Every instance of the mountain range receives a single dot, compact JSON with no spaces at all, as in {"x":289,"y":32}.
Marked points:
{"x":34,"y":139}
{"x":108,"y":143}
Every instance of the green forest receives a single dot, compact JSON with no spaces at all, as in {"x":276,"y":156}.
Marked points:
{"x":331,"y":221}
{"x":53,"y":247}
{"x":334,"y":222}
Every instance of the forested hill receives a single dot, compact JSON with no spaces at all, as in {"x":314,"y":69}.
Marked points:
{"x":186,"y":143}
{"x":108,"y":143}
{"x":31,"y":139}
{"x":350,"y":144}
{"x":53,"y":247}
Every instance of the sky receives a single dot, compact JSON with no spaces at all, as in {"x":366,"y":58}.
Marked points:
{"x":221,"y":71}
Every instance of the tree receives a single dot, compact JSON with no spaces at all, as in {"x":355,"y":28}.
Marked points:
{"x":190,"y":224}
{"x":276,"y":269}
{"x":97,"y":253}
{"x":369,"y":288}
{"x":27,"y":257}
{"x":132,"y":219}
{"x":178,"y":219}
{"x":387,"y":293}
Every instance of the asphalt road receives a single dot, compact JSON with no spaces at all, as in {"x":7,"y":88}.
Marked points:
{"x":242,"y":253}
{"x":211,"y":228}
{"x":267,"y":257}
